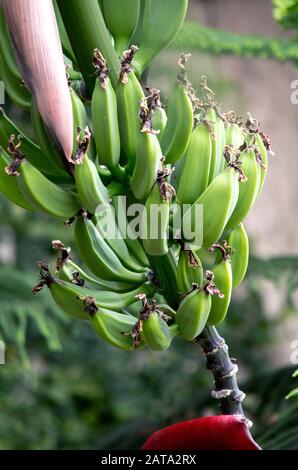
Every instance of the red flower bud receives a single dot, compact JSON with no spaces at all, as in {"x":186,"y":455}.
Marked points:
{"x":224,"y":432}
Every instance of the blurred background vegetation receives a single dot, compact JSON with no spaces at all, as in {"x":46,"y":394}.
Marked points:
{"x":61,"y":388}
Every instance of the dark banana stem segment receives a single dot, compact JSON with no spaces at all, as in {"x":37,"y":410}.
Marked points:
{"x":224,"y":370}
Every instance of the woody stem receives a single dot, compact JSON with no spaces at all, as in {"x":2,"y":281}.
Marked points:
{"x":224,"y":370}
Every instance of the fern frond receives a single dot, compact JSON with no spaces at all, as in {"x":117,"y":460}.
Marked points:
{"x":214,"y":41}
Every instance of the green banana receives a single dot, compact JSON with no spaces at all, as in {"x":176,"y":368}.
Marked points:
{"x":98,"y":255}
{"x":105,"y":174}
{"x":158,"y":114}
{"x":46,"y":144}
{"x":116,"y":242}
{"x":152,"y":326}
{"x":264,"y":160}
{"x":9,"y":186}
{"x":248,"y":189}
{"x":192,"y":313}
{"x":80,"y":121}
{"x":159,"y":121}
{"x":32,"y":151}
{"x":176,"y":135}
{"x":41,"y":193}
{"x":121,"y":18}
{"x":194,"y":176}
{"x":189,"y":271}
{"x":194,"y":309}
{"x":238,"y":241}
{"x":88,"y":25}
{"x":70,"y":297}
{"x":218,"y":143}
{"x":155,"y":218}
{"x":218,"y":202}
{"x":165,"y":270}
{"x":69,"y":271}
{"x":160,"y":23}
{"x":114,"y":328}
{"x":223,"y":279}
{"x":234,"y":135}
{"x":129,"y":94}
{"x":148,"y":161}
{"x":91,"y":189}
{"x":74,"y":76}
{"x":104,"y":116}
{"x":133,"y":244}
{"x":156,"y":333}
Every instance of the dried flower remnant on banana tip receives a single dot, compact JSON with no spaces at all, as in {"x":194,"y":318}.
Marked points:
{"x":145,"y":312}
{"x":224,"y":249}
{"x":166,"y":189}
{"x":101,"y":70}
{"x":17,"y":155}
{"x":63,"y":258}
{"x":126,"y":61}
{"x":46,"y":279}
{"x":209,"y":286}
{"x":145,"y":116}
{"x":64,"y":253}
{"x":252,"y":128}
{"x":83,"y":142}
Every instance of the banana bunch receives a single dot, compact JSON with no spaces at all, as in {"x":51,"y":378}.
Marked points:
{"x":156,"y":195}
